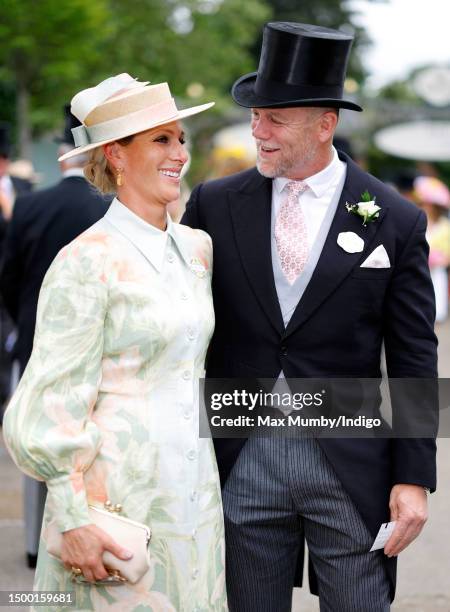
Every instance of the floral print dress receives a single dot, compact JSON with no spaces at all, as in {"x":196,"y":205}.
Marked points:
{"x":107,"y":408}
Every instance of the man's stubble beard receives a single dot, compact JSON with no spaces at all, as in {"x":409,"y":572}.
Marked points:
{"x":291,"y":164}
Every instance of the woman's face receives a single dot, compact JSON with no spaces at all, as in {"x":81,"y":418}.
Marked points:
{"x":152,"y":164}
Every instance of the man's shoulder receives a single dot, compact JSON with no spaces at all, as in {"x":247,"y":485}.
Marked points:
{"x":28,"y":202}
{"x":400,"y":209}
{"x":236,"y":182}
{"x":73,"y":191}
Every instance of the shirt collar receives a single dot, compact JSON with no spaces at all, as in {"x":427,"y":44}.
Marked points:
{"x":151,"y":241}
{"x":319,"y":182}
{"x":73,"y":172}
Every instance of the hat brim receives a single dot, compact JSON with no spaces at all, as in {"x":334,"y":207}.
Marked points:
{"x":182,"y":114}
{"x":243,"y":93}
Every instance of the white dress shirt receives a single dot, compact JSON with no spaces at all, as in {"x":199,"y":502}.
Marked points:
{"x":317,"y":198}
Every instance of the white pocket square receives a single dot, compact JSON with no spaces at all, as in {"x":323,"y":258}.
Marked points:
{"x":350,"y":242}
{"x":377,"y":259}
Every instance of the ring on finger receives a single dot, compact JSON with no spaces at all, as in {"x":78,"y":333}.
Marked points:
{"x":76,"y":571}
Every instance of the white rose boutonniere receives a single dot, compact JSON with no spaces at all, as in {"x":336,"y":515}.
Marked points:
{"x":367,"y":209}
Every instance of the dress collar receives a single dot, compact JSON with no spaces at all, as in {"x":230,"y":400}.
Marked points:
{"x":148,"y":239}
{"x":319,"y":182}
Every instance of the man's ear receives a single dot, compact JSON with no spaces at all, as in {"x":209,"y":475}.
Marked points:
{"x":327,"y":125}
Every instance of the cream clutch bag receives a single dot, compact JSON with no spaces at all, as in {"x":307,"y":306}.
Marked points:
{"x":127,"y":533}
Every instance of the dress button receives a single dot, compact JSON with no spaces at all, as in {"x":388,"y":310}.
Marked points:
{"x":195,"y":573}
{"x":194,"y":533}
{"x":187,"y":414}
{"x":170,"y":257}
{"x":191,"y":333}
{"x":193,"y":495}
{"x":187,"y":375}
{"x":191,"y":455}
{"x":184,"y":296}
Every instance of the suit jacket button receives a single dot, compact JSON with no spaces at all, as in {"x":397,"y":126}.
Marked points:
{"x":284,"y":350}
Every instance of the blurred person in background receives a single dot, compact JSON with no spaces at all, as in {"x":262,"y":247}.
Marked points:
{"x":403,"y":182}
{"x":42,"y":223}
{"x":433,"y":197}
{"x":229,"y":160}
{"x":24,"y":169}
{"x":10,"y":187}
{"x":105,"y":412}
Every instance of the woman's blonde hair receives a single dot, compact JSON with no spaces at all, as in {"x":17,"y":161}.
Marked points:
{"x":98,"y":171}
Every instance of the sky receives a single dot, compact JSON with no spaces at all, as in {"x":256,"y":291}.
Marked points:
{"x":406,"y":34}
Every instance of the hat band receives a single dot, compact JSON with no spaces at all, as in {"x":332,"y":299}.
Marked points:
{"x":274,"y":90}
{"x":126,"y":125}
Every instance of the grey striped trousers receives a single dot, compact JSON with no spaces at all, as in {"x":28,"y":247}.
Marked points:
{"x":277,"y":489}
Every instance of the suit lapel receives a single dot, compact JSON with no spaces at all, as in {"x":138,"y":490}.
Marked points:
{"x":250,"y":209}
{"x":334,"y":263}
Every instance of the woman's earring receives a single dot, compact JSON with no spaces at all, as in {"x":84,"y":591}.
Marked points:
{"x":119,"y":180}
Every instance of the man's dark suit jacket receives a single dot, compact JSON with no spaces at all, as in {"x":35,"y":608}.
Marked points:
{"x":21,"y":186}
{"x":338,"y":327}
{"x":42,"y":223}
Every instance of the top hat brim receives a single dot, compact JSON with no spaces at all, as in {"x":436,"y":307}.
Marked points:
{"x":181,"y":114}
{"x":243,"y":93}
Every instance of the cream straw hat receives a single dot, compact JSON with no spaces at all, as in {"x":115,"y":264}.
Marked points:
{"x":121,"y":106}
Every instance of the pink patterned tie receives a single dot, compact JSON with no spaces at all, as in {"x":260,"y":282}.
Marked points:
{"x":290,"y":232}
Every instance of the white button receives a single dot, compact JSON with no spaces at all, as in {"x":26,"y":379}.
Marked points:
{"x":194,"y":533}
{"x":191,"y":454}
{"x":184,"y":296}
{"x":186,"y":375}
{"x":193,"y":495}
{"x":191,"y":333}
{"x":195,"y":573}
{"x":187,"y":414}
{"x":170,"y":257}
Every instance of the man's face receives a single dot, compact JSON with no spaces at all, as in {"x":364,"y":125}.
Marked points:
{"x":286,"y":140}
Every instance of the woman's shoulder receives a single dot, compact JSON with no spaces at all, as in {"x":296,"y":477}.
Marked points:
{"x":85,"y":255}
{"x":196,"y":236}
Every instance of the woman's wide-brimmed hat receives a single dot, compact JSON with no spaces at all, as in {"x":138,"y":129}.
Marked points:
{"x":300,"y":65}
{"x":122,"y":106}
{"x":429,"y":189}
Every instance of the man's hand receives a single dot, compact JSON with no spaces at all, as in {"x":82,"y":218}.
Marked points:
{"x":408,"y":505}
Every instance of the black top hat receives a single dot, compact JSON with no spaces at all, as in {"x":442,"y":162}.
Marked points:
{"x":5,"y":141}
{"x":300,"y":65}
{"x":70,"y":122}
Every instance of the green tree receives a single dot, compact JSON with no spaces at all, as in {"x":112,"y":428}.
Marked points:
{"x":46,"y":51}
{"x":50,"y":49}
{"x":205,"y":42}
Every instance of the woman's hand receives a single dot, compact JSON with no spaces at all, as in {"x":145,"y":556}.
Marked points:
{"x":83,"y":548}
